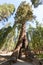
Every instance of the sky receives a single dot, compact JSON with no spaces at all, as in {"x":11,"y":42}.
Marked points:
{"x":38,"y":12}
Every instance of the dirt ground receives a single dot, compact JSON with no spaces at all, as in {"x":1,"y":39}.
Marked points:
{"x":4,"y":56}
{"x":19,"y":62}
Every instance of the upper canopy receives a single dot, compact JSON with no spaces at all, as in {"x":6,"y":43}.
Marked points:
{"x":24,"y":12}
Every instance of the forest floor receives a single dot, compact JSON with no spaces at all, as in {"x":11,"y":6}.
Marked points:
{"x":4,"y":59}
{"x":19,"y":62}
{"x":4,"y":56}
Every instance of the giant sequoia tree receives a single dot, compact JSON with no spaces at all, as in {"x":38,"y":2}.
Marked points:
{"x":23,"y":14}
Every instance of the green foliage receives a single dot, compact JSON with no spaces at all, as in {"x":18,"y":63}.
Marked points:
{"x":24,"y":13}
{"x":6,"y":10}
{"x":40,"y":56}
{"x":3,"y":35}
{"x":8,"y":38}
{"x":36,"y":36}
{"x":36,"y":2}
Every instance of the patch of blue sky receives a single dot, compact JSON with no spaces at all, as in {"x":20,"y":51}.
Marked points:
{"x":36,"y":11}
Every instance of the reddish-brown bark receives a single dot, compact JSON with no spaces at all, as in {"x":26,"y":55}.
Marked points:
{"x":22,"y":41}
{"x":23,"y":44}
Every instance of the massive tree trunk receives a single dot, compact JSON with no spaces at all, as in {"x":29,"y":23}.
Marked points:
{"x":22,"y":37}
{"x":23,"y":44}
{"x":22,"y":41}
